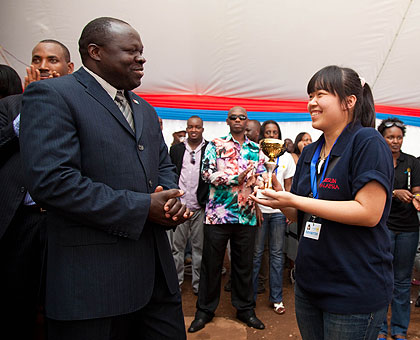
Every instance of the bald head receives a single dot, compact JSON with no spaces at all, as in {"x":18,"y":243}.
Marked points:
{"x":113,"y":50}
{"x":252,"y":130}
{"x":238,"y":109}
{"x":237,"y":119}
{"x":97,"y":32}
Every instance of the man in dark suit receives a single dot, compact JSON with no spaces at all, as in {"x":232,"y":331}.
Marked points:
{"x":22,"y":229}
{"x":187,"y":157}
{"x":95,"y":158}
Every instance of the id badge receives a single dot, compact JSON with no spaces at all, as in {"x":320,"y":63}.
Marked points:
{"x":312,"y":230}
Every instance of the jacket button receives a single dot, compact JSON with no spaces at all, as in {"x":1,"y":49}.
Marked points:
{"x":150,"y":183}
{"x":22,"y":189}
{"x":140,"y":147}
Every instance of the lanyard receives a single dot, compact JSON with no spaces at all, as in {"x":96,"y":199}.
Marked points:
{"x":314,"y":185}
{"x":314,"y":160}
{"x":277,"y":165}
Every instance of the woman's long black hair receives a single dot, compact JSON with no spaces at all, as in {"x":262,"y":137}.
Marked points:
{"x":345,"y":82}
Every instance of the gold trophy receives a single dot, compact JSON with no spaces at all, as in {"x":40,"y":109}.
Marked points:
{"x":272,"y":148}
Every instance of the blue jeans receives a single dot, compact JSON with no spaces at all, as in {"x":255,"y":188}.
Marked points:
{"x":274,"y":225}
{"x":316,"y":324}
{"x":403,"y":246}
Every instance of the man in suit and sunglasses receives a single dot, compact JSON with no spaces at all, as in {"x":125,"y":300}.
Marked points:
{"x":187,"y":157}
{"x":230,"y":165}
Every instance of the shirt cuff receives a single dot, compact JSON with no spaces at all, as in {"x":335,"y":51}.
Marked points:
{"x":16,"y":125}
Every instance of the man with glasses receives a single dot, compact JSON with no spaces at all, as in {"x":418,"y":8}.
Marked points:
{"x":230,"y":165}
{"x":187,"y":157}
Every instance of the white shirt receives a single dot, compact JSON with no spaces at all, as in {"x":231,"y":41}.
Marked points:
{"x":190,"y":176}
{"x":286,"y":169}
{"x":111,"y":90}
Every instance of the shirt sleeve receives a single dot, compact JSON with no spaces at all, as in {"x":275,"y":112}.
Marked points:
{"x":290,"y":166}
{"x":16,"y":124}
{"x":372,"y":161}
{"x":415,"y":173}
{"x":210,"y":172}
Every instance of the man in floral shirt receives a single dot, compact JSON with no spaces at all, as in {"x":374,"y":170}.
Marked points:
{"x":230,"y":165}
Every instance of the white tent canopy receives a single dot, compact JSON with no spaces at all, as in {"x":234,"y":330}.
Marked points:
{"x":265,"y":49}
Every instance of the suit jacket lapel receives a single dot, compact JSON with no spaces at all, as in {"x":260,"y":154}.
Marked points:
{"x":97,"y":91}
{"x":137,"y":114}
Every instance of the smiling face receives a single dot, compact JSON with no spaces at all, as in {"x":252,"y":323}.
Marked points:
{"x":120,"y":61}
{"x":327,"y":111}
{"x":195,"y":129}
{"x":394,"y":138}
{"x":49,"y":57}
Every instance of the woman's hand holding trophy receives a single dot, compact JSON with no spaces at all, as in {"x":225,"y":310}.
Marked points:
{"x":272,"y":148}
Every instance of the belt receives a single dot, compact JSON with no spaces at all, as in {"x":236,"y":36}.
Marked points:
{"x":35,"y":208}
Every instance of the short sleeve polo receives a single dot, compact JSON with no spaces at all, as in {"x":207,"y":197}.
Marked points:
{"x":349,"y":268}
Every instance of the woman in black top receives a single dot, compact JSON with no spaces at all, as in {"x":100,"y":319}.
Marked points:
{"x":341,"y":196}
{"x":403,"y":223}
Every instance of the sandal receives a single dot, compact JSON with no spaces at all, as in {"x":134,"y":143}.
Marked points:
{"x":381,"y":337}
{"x":279,"y":308}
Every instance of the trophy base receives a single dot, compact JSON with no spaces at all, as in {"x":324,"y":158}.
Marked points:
{"x":261,"y":195}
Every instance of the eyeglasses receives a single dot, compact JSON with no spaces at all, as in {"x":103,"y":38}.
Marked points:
{"x":234,"y":117}
{"x":192,"y":153}
{"x":391,"y":124}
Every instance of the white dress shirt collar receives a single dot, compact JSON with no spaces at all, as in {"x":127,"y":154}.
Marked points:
{"x":111,"y":90}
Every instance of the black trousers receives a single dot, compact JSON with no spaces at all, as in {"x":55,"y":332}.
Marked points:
{"x":162,"y":318}
{"x":22,"y":256}
{"x":242,"y":240}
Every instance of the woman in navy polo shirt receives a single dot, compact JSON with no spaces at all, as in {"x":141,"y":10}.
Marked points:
{"x":403,"y":224}
{"x":341,"y":196}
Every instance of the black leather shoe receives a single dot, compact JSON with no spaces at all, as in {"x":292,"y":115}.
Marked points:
{"x":198,"y":323}
{"x":251,"y":321}
{"x":418,"y":302}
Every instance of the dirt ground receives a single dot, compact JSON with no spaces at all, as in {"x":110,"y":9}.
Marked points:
{"x":278,"y":327}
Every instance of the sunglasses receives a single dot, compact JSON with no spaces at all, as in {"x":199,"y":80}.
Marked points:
{"x":391,"y":124}
{"x":234,"y":117}
{"x":192,"y":153}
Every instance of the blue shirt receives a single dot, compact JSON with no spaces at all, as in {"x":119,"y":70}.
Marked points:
{"x":349,"y":268}
{"x":16,"y":125}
